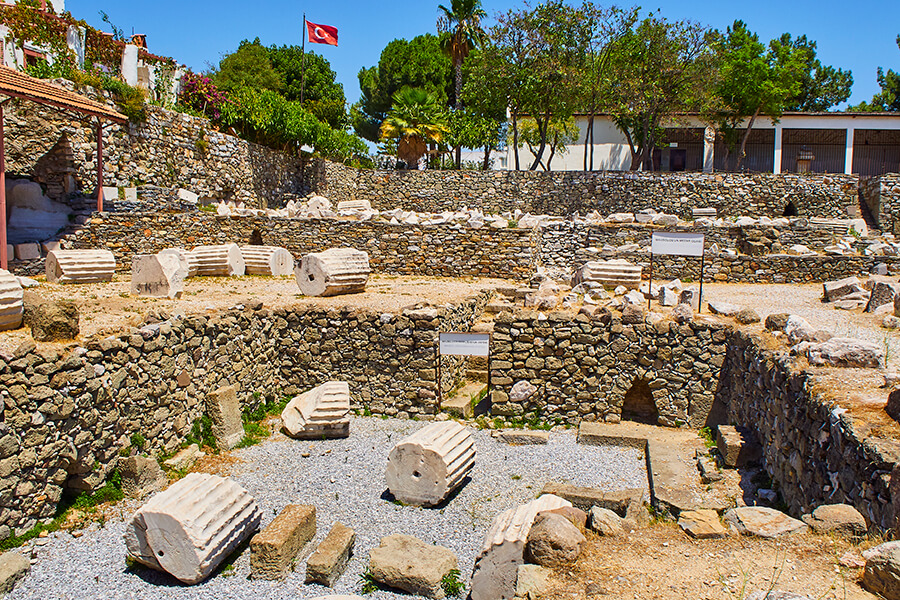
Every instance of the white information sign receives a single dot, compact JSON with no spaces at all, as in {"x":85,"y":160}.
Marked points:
{"x":677,"y":244}
{"x":465,"y":344}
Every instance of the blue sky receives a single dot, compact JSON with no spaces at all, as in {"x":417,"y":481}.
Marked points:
{"x":851,"y":35}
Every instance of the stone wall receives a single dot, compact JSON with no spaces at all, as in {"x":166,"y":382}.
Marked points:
{"x":169,"y":149}
{"x":881,"y":194}
{"x":66,"y":417}
{"x":815,"y":451}
{"x":403,"y":249}
{"x":587,"y":369}
{"x":567,"y":192}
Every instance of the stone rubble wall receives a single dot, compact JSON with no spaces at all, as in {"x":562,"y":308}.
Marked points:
{"x":583,"y":368}
{"x":815,"y":452}
{"x":66,"y":417}
{"x":169,"y":149}
{"x":881,"y":194}
{"x":402,"y":249}
{"x":566,"y":192}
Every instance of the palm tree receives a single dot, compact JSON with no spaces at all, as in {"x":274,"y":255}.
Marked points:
{"x":460,"y":27}
{"x":416,"y":119}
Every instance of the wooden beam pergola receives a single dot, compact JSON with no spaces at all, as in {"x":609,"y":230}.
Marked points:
{"x":15,"y":84}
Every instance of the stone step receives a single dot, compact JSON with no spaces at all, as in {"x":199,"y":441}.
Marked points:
{"x":477,"y":375}
{"x":460,"y":403}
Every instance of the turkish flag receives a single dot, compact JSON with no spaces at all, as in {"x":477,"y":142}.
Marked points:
{"x":322,"y":34}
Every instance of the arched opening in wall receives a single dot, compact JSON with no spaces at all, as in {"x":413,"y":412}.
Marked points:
{"x":639,"y":405}
{"x":256,"y":238}
{"x":790,"y":210}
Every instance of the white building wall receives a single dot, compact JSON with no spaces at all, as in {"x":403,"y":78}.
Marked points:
{"x":611,"y":150}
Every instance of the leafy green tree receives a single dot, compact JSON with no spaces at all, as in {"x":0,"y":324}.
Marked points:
{"x":658,"y":69}
{"x":417,"y":119}
{"x":460,"y":29}
{"x":417,"y":63}
{"x":888,"y":99}
{"x":821,"y":87}
{"x":560,"y":133}
{"x":469,"y":129}
{"x":322,"y":95}
{"x":753,"y":81}
{"x":248,"y":66}
{"x":602,"y":28}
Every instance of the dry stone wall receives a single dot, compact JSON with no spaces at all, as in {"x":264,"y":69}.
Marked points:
{"x":566,"y":192}
{"x":815,"y":451}
{"x":66,"y":416}
{"x":403,"y":249}
{"x":169,"y":149}
{"x":881,"y":195}
{"x":588,"y":369}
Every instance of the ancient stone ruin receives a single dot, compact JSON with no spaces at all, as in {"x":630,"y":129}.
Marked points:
{"x":333,"y":272}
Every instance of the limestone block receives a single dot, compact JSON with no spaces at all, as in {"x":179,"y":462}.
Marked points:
{"x":333,"y":272}
{"x":189,"y":262}
{"x":553,"y":541}
{"x":835,"y":290}
{"x":190,"y":528}
{"x":606,"y":522}
{"x":328,"y":562}
{"x":427,"y":466}
{"x":157,"y":276}
{"x":50,"y":320}
{"x":28,"y":251}
{"x":611,"y":273}
{"x":532,"y":581}
{"x":698,"y":213}
{"x":268,"y":260}
{"x":13,"y":567}
{"x":737,"y":446}
{"x":494,"y":577}
{"x":840,"y":519}
{"x":842,"y":352}
{"x":690,"y":296}
{"x":411,"y":565}
{"x":187,"y":196}
{"x":348,"y":206}
{"x":224,"y":411}
{"x":273,"y":549}
{"x":11,"y":304}
{"x":185,"y":458}
{"x":883,"y":293}
{"x":80,"y":266}
{"x":322,"y":411}
{"x":141,"y":476}
{"x":219,"y":261}
{"x":762,"y":522}
{"x":30,"y":214}
{"x":701,"y":524}
{"x":882,"y":574}
{"x":49,"y":246}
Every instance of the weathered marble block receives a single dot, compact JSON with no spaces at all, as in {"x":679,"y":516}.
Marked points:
{"x":496,"y":566}
{"x":80,"y":266}
{"x":188,"y":261}
{"x":157,"y":276}
{"x":190,"y":528}
{"x":333,"y":272}
{"x":610,"y":273}
{"x":320,"y":412}
{"x":267,"y":260}
{"x":424,"y":468}
{"x":11,"y":304}
{"x":219,"y":261}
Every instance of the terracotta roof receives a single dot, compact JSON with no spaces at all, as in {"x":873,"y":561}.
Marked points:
{"x":19,"y":85}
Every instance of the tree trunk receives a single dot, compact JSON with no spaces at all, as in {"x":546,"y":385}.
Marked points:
{"x":515,"y":128}
{"x":487,"y":158}
{"x":591,"y":163}
{"x":587,"y":133}
{"x":543,"y":125}
{"x":646,"y":164}
{"x":740,"y":160}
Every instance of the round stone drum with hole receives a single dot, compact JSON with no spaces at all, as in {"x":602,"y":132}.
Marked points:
{"x":424,"y":468}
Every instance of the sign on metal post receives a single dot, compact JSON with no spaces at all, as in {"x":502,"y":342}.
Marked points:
{"x":465,"y":344}
{"x":462,"y":344}
{"x":672,"y":243}
{"x":677,"y":244}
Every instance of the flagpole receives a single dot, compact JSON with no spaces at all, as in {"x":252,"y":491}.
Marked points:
{"x":303,"y":61}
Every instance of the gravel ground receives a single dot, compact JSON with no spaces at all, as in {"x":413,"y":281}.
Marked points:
{"x":344,"y":479}
{"x":806,"y":301}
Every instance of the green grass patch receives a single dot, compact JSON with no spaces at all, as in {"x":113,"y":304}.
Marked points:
{"x":451,"y":583}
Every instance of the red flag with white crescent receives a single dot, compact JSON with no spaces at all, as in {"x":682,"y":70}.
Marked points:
{"x":322,"y":34}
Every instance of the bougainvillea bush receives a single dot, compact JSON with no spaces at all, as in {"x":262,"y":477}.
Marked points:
{"x":200,"y":94}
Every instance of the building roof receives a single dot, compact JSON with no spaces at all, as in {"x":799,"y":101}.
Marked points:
{"x":19,"y":85}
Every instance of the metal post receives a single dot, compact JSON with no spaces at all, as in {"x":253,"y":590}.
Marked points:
{"x":650,"y":283}
{"x":4,"y":258}
{"x":437,"y":358}
{"x":702,"y":264}
{"x":99,"y":165}
{"x":303,"y":60}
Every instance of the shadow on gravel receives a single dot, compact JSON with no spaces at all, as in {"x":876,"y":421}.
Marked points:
{"x":387,"y":496}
